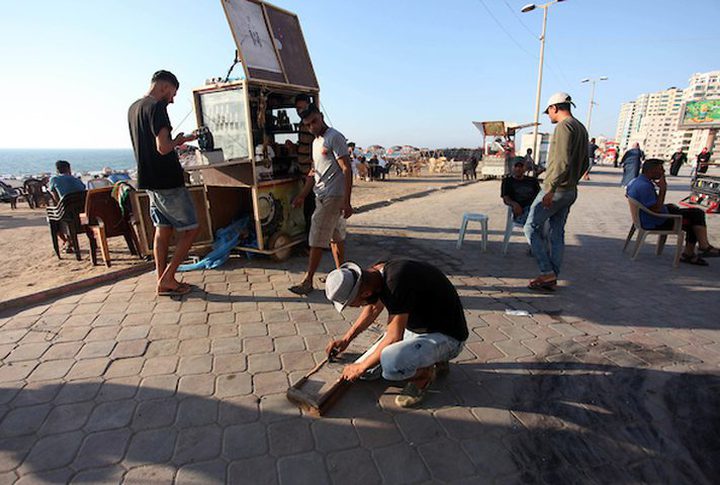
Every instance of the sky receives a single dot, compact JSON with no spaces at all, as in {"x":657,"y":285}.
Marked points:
{"x":395,"y":72}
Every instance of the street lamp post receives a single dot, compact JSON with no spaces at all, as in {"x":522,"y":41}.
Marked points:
{"x":592,"y":98}
{"x":528,"y":8}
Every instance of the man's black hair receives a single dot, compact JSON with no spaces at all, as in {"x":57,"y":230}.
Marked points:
{"x":302,"y":97}
{"x":351,"y":144}
{"x":519,"y":163}
{"x":311,"y":110}
{"x":62,"y":166}
{"x":166,"y":76}
{"x":563,"y":106}
{"x":651,"y":163}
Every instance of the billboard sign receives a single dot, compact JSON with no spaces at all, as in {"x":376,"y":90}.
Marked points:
{"x":270,"y":43}
{"x":704,"y":113}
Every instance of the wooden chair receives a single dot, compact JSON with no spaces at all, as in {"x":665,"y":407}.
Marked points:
{"x":65,"y":218}
{"x":103,"y":219}
{"x":635,"y":209}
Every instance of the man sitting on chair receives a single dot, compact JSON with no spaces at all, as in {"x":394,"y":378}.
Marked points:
{"x":518,"y":192}
{"x":642,"y":189}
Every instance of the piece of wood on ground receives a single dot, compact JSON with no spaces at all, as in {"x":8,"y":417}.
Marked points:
{"x":318,"y":390}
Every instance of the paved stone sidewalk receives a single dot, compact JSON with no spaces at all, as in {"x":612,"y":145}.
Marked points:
{"x":612,"y":379}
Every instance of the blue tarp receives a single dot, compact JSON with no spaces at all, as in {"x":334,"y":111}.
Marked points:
{"x":225,"y":240}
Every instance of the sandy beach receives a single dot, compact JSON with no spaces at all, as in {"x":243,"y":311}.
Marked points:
{"x":31,"y":266}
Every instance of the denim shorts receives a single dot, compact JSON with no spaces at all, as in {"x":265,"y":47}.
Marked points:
{"x":172,"y":208}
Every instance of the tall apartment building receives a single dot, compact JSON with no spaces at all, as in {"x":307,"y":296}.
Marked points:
{"x":652,"y":119}
{"x":702,"y":86}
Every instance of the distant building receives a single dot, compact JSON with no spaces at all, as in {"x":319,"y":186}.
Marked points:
{"x":652,"y":119}
{"x":526,"y":141}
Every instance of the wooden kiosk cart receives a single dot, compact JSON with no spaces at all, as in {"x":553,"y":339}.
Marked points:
{"x":254,"y":152}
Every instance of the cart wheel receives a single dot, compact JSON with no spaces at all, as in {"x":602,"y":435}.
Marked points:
{"x":278,"y":240}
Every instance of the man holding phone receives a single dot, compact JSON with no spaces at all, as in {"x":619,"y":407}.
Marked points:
{"x":643,"y":189}
{"x":163,"y":178}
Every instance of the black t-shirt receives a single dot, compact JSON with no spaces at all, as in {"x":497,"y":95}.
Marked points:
{"x":679,"y":157}
{"x":422,"y":291}
{"x":146,"y":117}
{"x":522,"y":191}
{"x":704,"y":157}
{"x":592,"y":148}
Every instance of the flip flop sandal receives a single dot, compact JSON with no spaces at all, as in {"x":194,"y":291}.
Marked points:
{"x":179,"y":291}
{"x":694,"y":259}
{"x":302,"y":289}
{"x":542,"y":285}
{"x":710,"y":252}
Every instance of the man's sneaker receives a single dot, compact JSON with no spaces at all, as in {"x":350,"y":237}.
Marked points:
{"x":412,"y":395}
{"x":442,"y":368}
{"x":372,"y":374}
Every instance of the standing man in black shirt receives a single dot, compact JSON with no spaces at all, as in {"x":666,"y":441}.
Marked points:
{"x":162,"y":177}
{"x":426,"y":325}
{"x":519,"y":192}
{"x":703,"y":160}
{"x":676,"y":161}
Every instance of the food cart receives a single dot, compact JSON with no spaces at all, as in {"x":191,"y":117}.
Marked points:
{"x":499,"y":151}
{"x":254,"y":152}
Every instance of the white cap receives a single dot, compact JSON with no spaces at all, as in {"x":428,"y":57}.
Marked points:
{"x":342,"y":285}
{"x":558,"y":98}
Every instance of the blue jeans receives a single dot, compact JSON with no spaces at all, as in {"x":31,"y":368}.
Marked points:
{"x":549,"y":258}
{"x":402,"y":359}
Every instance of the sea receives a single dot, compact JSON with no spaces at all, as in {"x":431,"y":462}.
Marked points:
{"x":23,"y":162}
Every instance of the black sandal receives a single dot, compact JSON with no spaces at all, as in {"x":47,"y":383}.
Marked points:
{"x":693,"y":259}
{"x":710,"y":252}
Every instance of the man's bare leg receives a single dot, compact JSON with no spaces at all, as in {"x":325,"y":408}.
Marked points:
{"x":161,"y":245}
{"x":338,"y":252}
{"x":306,"y":286}
{"x":167,"y":280}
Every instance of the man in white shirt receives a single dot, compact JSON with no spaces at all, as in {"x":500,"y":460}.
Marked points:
{"x":331,"y":181}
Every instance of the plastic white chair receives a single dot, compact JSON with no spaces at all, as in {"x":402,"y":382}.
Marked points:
{"x":510,"y":225}
{"x":635,"y":209}
{"x":473,"y":216}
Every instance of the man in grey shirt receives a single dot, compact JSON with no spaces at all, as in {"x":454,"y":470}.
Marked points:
{"x":567,"y":162}
{"x":331,"y":179}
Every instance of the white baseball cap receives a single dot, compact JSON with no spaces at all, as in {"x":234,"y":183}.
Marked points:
{"x":558,"y":98}
{"x":342,"y":284}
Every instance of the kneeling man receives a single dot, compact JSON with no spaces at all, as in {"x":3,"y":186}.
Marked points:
{"x":426,"y":325}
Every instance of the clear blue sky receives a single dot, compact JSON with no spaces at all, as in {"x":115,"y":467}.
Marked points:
{"x":391,"y":72}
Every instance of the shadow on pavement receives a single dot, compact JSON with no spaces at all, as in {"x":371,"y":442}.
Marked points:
{"x":559,"y":422}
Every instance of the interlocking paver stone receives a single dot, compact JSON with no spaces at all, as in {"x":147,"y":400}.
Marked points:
{"x":290,"y":437}
{"x":153,"y":446}
{"x":155,"y":474}
{"x":100,"y":348}
{"x":305,"y":468}
{"x":229,"y":385}
{"x":207,"y":472}
{"x":245,"y":441}
{"x":253,"y":471}
{"x":24,"y":420}
{"x":67,"y":417}
{"x":334,"y":434}
{"x":352,"y":467}
{"x":197,"y":411}
{"x":111,"y":415}
{"x":197,"y":444}
{"x":53,"y":451}
{"x":155,"y":414}
{"x":400,"y":463}
{"x":101,"y":449}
